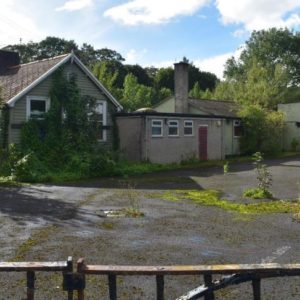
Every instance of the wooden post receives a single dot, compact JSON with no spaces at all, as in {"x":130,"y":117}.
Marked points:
{"x":30,"y":285}
{"x":70,"y":270}
{"x":112,"y":283}
{"x":80,"y":269}
{"x":160,"y":287}
{"x":208,"y":283}
{"x":256,"y":288}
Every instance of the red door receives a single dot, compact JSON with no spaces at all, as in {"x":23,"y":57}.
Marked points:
{"x":202,"y":142}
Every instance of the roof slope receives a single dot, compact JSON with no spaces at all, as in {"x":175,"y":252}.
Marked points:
{"x":15,"y":79}
{"x":215,"y":107}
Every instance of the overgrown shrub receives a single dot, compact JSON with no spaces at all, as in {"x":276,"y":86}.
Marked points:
{"x":262,"y":130}
{"x":63,"y":145}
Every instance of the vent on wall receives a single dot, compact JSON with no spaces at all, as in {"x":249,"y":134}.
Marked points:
{"x":298,"y":124}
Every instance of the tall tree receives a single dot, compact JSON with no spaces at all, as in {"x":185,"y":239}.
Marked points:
{"x":136,"y":95}
{"x":269,"y":48}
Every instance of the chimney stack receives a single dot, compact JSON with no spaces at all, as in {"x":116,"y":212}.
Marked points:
{"x":8,"y":59}
{"x":181,"y":82}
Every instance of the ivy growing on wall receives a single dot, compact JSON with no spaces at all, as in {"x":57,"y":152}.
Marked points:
{"x":65,"y":140}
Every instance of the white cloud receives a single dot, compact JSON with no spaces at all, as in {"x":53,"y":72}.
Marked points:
{"x":137,"y":12}
{"x":259,"y":14}
{"x":73,"y":5}
{"x":133,"y":56}
{"x":216,"y":64}
{"x":15,"y":24}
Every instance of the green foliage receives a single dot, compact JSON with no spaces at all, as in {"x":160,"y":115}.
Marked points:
{"x":68,"y":132}
{"x":294,"y":144}
{"x":262,"y":130}
{"x":269,"y":48}
{"x":226,"y":167}
{"x":196,"y":92}
{"x":136,"y":95}
{"x":264,"y":177}
{"x":213,"y":198}
{"x":257,"y":193}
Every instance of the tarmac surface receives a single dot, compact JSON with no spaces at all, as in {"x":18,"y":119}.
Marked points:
{"x":52,"y":222}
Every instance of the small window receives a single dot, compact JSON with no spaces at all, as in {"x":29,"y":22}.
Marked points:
{"x":237,"y":128}
{"x":98,"y":117}
{"x":188,"y":128}
{"x":156,"y":128}
{"x":37,"y":107}
{"x":173,"y":127}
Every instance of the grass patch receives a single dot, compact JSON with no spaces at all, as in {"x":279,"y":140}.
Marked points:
{"x":38,"y":237}
{"x":212,"y":198}
{"x":257,"y":193}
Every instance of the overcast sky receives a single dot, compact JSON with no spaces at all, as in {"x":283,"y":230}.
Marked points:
{"x":149,"y":32}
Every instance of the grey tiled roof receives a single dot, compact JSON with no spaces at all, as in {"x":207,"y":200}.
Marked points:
{"x":15,"y":79}
{"x":215,"y":107}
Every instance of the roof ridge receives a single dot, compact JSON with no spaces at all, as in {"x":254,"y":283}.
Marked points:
{"x":41,"y":60}
{"x":215,"y":100}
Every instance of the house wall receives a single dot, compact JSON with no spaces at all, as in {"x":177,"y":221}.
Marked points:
{"x":291,"y":113}
{"x":137,"y":143}
{"x":232,"y":143}
{"x":168,"y":149}
{"x":86,"y":86}
{"x":131,"y":135}
{"x":167,"y":106}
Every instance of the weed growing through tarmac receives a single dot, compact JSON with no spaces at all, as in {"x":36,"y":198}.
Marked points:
{"x":213,"y":198}
{"x":37,"y":238}
{"x":132,"y":196}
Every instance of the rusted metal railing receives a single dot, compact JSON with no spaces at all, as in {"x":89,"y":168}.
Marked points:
{"x":30,"y":268}
{"x":75,"y":281}
{"x":235,"y":274}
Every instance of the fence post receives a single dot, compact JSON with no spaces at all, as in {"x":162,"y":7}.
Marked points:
{"x":208,"y":283}
{"x":112,"y":283}
{"x":80,"y":270}
{"x":70,"y":270}
{"x":160,"y":287}
{"x":30,"y":285}
{"x":256,"y":288}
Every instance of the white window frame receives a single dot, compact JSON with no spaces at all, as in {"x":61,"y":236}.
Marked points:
{"x":157,"y":126}
{"x":188,"y":126}
{"x":28,"y":104}
{"x":236,"y":123}
{"x":173,"y":126}
{"x":104,"y":122}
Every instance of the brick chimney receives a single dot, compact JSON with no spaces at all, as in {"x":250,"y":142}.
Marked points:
{"x":181,"y":82}
{"x":8,"y":59}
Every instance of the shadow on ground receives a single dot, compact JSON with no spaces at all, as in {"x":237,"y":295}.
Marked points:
{"x":16,"y":204}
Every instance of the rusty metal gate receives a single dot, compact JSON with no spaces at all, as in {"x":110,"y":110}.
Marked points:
{"x":74,"y":281}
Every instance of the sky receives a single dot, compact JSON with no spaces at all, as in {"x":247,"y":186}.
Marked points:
{"x":150,"y":32}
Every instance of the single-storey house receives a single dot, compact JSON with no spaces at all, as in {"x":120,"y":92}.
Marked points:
{"x":180,"y":128}
{"x":291,"y":132}
{"x":24,"y":88}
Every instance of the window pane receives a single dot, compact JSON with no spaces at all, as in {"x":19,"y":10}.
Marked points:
{"x":38,"y":105}
{"x":188,"y":130}
{"x":37,"y":108}
{"x":237,"y":131}
{"x":156,"y":130}
{"x":156,"y":123}
{"x":173,"y":131}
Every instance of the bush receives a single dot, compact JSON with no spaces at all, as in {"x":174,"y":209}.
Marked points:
{"x":262,"y":130}
{"x":257,"y":193}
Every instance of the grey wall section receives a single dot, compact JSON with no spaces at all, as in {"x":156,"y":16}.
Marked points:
{"x":137,"y":143}
{"x":291,"y":131}
{"x":131,"y":134}
{"x":86,"y":86}
{"x":232,"y":144}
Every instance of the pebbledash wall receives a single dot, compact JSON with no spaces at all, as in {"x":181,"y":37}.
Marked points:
{"x":291,"y":112}
{"x":137,"y":143}
{"x":18,"y":115}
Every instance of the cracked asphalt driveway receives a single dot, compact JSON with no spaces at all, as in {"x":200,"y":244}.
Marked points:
{"x":48,"y":223}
